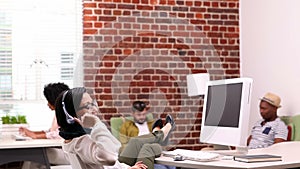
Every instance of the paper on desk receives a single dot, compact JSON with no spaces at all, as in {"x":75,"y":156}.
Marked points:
{"x":177,"y":152}
{"x":18,"y":137}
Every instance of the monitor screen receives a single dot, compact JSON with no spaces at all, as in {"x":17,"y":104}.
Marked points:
{"x":226,"y":112}
{"x":223,"y":105}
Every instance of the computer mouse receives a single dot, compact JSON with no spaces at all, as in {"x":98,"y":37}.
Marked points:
{"x":178,"y":158}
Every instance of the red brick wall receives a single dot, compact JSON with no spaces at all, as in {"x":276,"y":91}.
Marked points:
{"x":143,"y":50}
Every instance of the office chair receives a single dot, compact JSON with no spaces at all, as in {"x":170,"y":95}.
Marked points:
{"x":76,"y":163}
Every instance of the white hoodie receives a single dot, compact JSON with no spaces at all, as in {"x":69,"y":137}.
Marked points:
{"x":98,"y":150}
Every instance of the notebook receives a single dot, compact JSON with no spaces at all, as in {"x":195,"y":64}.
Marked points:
{"x":257,"y":158}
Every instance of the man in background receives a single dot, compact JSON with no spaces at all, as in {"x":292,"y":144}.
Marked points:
{"x":140,"y":125}
{"x":270,"y":129}
{"x":55,"y":155}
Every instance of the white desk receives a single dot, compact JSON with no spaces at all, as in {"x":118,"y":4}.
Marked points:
{"x":288,"y":150}
{"x":29,"y":150}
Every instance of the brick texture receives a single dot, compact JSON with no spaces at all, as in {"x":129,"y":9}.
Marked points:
{"x":143,"y":50}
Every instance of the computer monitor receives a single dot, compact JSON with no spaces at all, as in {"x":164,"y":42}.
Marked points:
{"x":226,"y":112}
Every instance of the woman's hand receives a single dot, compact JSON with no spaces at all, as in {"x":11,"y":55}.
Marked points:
{"x":89,"y":120}
{"x":26,"y":132}
{"x":139,"y":165}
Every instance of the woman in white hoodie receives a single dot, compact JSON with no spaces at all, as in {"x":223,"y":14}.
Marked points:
{"x":74,"y":109}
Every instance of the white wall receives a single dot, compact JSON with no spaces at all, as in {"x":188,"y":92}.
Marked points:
{"x":270,"y":43}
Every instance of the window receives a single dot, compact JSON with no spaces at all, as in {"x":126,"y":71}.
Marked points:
{"x":40,"y":43}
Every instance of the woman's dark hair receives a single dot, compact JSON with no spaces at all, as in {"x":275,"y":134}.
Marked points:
{"x":71,"y":101}
{"x":52,"y":90}
{"x":138,"y":106}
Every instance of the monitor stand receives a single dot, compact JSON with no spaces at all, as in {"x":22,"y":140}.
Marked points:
{"x":236,"y":152}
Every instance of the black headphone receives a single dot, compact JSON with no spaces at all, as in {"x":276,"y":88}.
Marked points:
{"x":69,"y":118}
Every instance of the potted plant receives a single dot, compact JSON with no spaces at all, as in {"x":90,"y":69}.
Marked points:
{"x":11,"y":124}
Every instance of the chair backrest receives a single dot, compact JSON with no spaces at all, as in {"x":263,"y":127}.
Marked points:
{"x":288,"y":121}
{"x":116,"y":123}
{"x":75,"y":161}
{"x":293,"y":123}
{"x":295,"y":120}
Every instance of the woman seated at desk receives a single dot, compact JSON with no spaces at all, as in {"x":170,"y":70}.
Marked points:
{"x":75,"y":109}
{"x":55,"y":155}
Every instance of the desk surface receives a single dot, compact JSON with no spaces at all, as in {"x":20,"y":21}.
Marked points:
{"x":288,"y":150}
{"x":9,"y":143}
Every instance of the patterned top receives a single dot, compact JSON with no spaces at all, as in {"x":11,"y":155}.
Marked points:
{"x":263,"y":136}
{"x":53,"y":132}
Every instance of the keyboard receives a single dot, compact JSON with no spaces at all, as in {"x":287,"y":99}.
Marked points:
{"x":201,"y":156}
